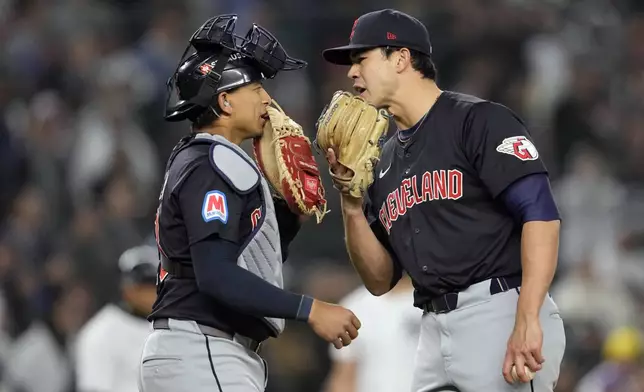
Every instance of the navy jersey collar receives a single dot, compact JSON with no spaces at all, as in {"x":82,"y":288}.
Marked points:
{"x":404,"y":135}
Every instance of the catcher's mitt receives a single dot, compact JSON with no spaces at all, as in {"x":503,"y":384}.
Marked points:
{"x":355,"y":130}
{"x":284,"y":156}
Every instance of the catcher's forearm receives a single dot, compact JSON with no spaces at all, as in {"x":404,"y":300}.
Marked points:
{"x":219,"y":276}
{"x":539,"y":249}
{"x":370,"y":259}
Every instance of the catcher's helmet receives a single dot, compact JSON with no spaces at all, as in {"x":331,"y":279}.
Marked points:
{"x":138,"y":265}
{"x":222,"y":61}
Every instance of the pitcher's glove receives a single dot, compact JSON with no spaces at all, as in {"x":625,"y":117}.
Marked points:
{"x":284,"y":156}
{"x":355,"y":130}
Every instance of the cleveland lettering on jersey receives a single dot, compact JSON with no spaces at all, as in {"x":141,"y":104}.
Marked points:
{"x":430,"y":186}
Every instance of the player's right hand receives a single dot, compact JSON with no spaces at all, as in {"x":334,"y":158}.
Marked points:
{"x":349,"y":204}
{"x":334,"y":323}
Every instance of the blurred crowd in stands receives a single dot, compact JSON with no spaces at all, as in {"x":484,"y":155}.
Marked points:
{"x":83,"y":146}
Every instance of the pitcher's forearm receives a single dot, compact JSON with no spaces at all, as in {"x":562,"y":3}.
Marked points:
{"x":540,"y":245}
{"x":370,"y":259}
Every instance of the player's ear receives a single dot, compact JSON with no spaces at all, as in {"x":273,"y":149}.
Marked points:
{"x":224,"y":103}
{"x":403,"y":59}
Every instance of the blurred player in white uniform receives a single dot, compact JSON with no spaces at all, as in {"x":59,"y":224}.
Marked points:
{"x":382,"y":358}
{"x":109,"y":346}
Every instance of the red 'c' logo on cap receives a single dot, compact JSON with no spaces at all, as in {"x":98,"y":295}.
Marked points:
{"x":353,"y":29}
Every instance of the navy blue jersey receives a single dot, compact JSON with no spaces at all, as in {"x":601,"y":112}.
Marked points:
{"x":196,"y":203}
{"x":434,"y":202}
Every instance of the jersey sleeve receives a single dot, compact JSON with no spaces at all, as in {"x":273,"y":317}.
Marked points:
{"x":209,"y":205}
{"x":499,"y":146}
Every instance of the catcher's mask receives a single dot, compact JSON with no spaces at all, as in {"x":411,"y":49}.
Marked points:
{"x":222,"y":61}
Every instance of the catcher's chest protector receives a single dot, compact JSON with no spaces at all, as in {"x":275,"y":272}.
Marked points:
{"x":261,"y":252}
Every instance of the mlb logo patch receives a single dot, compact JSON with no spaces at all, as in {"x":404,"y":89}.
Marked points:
{"x":214,"y":207}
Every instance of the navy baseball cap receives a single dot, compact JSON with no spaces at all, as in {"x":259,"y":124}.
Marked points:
{"x":382,"y":28}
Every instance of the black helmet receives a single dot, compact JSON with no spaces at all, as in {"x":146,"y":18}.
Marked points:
{"x":138,"y":265}
{"x":222,"y":61}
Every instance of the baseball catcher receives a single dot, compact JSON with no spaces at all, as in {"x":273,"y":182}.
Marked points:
{"x":225,"y":221}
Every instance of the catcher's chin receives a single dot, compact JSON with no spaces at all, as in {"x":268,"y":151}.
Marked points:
{"x":258,"y":133}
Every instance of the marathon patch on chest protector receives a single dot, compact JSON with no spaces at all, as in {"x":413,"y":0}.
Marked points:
{"x":235,"y":169}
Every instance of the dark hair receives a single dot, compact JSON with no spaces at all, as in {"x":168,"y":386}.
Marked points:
{"x":419,"y":61}
{"x":204,"y":119}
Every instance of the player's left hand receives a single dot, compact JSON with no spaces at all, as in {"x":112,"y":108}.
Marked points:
{"x":524,"y":349}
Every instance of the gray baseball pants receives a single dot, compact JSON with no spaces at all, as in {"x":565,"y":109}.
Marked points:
{"x":182,"y":358}
{"x":463,"y":349}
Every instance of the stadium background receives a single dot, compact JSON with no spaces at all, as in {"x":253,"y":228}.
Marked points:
{"x":83,"y":144}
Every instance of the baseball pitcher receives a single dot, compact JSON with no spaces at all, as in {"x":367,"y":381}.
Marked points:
{"x":459,"y":198}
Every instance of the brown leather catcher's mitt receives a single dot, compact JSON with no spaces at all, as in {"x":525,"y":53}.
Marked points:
{"x":285,"y":157}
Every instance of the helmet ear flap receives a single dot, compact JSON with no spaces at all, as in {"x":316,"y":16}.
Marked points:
{"x":197,"y":81}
